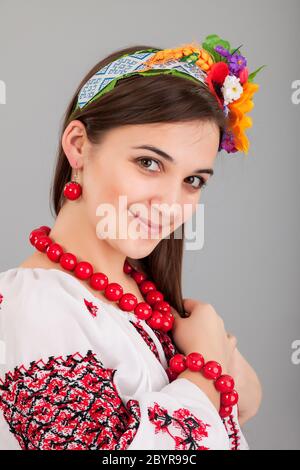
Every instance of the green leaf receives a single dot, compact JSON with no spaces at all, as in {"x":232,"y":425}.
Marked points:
{"x":234,"y":51}
{"x":253,"y":74}
{"x":214,"y":40}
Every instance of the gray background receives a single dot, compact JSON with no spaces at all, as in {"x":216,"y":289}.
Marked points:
{"x":249,"y":265}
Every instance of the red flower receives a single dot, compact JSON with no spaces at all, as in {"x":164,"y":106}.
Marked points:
{"x":243,"y":75}
{"x":215,"y":79}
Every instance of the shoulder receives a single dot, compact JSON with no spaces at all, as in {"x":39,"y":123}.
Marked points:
{"x":27,"y":292}
{"x":42,"y":314}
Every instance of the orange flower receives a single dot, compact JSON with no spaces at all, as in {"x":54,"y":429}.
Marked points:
{"x":205,"y":60}
{"x":238,"y":121}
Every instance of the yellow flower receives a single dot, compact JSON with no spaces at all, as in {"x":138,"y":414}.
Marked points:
{"x":238,"y":121}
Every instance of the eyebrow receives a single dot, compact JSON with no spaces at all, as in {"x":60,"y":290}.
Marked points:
{"x":171,"y":159}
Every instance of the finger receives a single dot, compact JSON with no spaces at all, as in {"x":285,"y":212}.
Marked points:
{"x":190,"y":304}
{"x":174,"y":312}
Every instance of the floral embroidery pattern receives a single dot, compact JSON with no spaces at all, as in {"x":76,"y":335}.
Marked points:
{"x":1,"y":300}
{"x":93,"y":309}
{"x":232,"y":431}
{"x":67,"y":404}
{"x":170,"y":350}
{"x":146,"y":337}
{"x":192,"y":430}
{"x":167,"y":343}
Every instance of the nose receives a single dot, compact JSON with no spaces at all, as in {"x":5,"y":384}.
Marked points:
{"x":168,"y":205}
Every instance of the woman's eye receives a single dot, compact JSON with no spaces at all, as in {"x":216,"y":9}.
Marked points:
{"x":146,"y":163}
{"x":201,"y":182}
{"x":142,"y":161}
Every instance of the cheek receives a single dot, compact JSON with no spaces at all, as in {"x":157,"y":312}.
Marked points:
{"x":185,"y":211}
{"x":102,"y":185}
{"x":115,"y":186}
{"x":133,"y":188}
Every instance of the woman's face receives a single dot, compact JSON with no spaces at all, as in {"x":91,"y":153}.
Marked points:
{"x":132,"y":180}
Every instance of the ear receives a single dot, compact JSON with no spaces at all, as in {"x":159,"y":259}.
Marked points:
{"x":73,"y":142}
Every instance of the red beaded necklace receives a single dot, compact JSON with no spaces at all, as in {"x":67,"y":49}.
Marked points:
{"x":155,"y":311}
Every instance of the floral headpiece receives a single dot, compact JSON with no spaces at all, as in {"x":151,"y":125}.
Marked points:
{"x":214,"y":63}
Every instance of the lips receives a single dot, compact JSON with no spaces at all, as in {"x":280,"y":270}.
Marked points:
{"x":150,"y":224}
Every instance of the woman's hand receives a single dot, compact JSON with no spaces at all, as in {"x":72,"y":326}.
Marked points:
{"x":247,"y":385}
{"x":203,"y":331}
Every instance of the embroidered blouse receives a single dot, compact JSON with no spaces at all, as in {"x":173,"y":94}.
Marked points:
{"x":79,"y":373}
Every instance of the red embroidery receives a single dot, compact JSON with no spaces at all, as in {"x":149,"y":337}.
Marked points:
{"x":170,"y":349}
{"x":1,"y":300}
{"x":91,"y":307}
{"x":192,"y":430}
{"x":67,"y":404}
{"x":232,"y":431}
{"x":167,"y":343}
{"x":147,"y":338}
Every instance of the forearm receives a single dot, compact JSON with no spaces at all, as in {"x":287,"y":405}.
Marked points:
{"x":247,"y":385}
{"x":243,"y":419}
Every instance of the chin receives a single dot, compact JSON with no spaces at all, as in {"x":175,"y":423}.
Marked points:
{"x":137,"y":249}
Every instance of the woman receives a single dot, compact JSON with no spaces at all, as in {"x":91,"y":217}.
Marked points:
{"x":101,"y":351}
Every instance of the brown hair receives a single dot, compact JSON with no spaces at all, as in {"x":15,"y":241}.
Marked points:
{"x":141,"y":100}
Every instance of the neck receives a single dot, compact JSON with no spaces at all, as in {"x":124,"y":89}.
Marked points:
{"x":74,"y":232}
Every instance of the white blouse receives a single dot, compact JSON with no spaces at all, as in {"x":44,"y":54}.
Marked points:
{"x":79,"y":373}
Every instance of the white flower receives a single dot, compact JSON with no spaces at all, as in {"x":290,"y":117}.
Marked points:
{"x":231,"y":89}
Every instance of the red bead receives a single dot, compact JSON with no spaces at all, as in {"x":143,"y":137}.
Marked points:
{"x":127,"y":268}
{"x":171,"y":374}
{"x":128,"y":302}
{"x":72,"y":190}
{"x":54,"y":252}
{"x":229,"y":399}
{"x":45,"y":228}
{"x":177,"y":363}
{"x":147,"y":286}
{"x":42,"y":243}
{"x":138,"y":277}
{"x":162,"y":306}
{"x":113,"y":291}
{"x":68,"y":261}
{"x":83,"y":270}
{"x":98,"y":281}
{"x":143,"y":311}
{"x":224,"y":383}
{"x":167,"y":323}
{"x":212,"y":370}
{"x":225,"y":411}
{"x":35,"y":235}
{"x":169,"y":315}
{"x":194,"y":361}
{"x":154,"y":296}
{"x":156,"y":320}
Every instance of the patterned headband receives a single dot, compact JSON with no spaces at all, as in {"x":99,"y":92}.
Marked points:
{"x":213,"y":63}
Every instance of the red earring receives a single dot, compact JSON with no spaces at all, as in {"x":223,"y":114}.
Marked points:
{"x":73,"y":189}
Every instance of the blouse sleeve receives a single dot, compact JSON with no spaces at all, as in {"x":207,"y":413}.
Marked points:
{"x":58,"y":393}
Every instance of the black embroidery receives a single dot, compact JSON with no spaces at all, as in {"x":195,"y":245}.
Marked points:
{"x":67,"y":404}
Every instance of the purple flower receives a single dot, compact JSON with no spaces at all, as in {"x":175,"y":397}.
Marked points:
{"x":222,"y":51}
{"x":236,"y":63}
{"x":227,"y":142}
